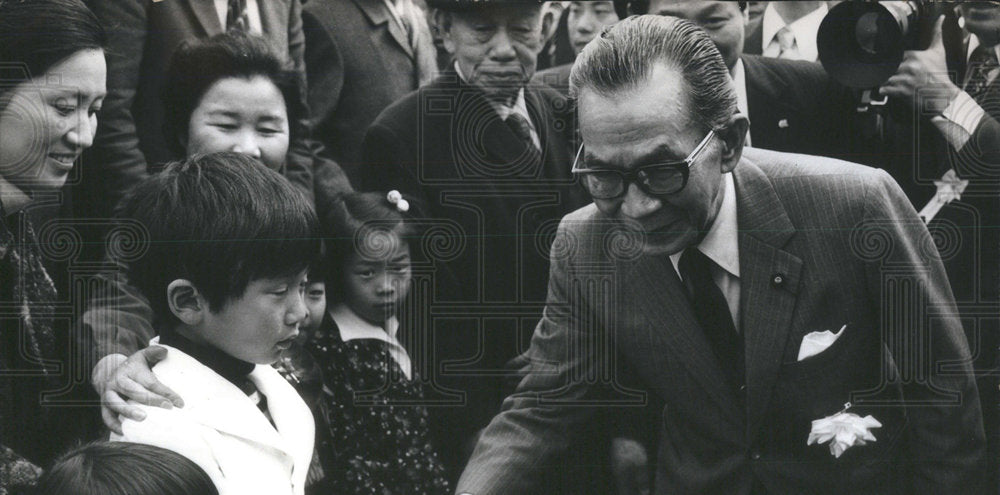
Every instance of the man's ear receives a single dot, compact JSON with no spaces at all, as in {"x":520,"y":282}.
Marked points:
{"x":733,"y":137}
{"x":185,"y":302}
{"x":550,"y":21}
{"x":442,"y":23}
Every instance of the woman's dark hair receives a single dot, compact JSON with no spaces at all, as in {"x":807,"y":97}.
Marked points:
{"x":197,"y":65}
{"x":360,"y":223}
{"x":123,"y":468}
{"x":37,"y":34}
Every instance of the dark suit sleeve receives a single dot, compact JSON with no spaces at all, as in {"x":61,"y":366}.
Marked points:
{"x":301,"y":152}
{"x":115,"y":158}
{"x":946,"y":439}
{"x":324,"y":67}
{"x":118,"y":318}
{"x":391,"y":163}
{"x":537,"y":423}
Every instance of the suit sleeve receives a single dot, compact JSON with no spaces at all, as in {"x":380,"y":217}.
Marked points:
{"x":537,"y":422}
{"x":301,"y":152}
{"x":946,"y":441}
{"x":391,"y":163}
{"x":115,"y":158}
{"x":118,"y":318}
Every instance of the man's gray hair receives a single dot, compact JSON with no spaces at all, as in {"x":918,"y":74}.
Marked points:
{"x":623,"y":56}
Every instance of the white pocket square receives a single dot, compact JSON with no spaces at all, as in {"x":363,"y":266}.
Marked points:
{"x":816,"y":342}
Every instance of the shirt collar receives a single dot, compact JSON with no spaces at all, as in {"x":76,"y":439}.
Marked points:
{"x":804,"y":29}
{"x":504,"y":111}
{"x":740,"y":81}
{"x":974,"y":43}
{"x":721,"y":243}
{"x":354,"y":327}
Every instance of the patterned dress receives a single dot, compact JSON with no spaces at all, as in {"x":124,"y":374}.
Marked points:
{"x":378,"y":441}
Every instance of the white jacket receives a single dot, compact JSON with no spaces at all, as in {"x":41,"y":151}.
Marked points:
{"x":223,"y":431}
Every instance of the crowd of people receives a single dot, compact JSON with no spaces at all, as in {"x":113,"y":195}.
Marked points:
{"x":493,"y":246}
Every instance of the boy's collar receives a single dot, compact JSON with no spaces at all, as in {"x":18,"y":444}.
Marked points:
{"x":232,"y":369}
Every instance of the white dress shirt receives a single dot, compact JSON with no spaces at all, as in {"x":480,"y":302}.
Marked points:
{"x":960,"y":118}
{"x":253,"y":15}
{"x":721,"y":245}
{"x":803,"y":29}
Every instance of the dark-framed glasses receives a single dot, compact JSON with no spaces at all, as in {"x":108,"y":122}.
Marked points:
{"x":655,"y":179}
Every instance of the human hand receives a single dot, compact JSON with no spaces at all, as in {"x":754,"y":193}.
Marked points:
{"x":922,"y":77}
{"x":117,"y":378}
{"x":630,"y":466}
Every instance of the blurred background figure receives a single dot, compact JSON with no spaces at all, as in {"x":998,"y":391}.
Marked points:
{"x":584,"y":21}
{"x":557,"y":49}
{"x":786,"y":30}
{"x":54,"y":74}
{"x":361,"y":55}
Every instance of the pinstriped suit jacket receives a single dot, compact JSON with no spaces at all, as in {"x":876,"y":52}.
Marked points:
{"x":822,"y":243}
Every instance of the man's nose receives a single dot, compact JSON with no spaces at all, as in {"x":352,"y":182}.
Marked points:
{"x":637,"y":204}
{"x":586,"y":24}
{"x":297,"y":310}
{"x":503,"y":48}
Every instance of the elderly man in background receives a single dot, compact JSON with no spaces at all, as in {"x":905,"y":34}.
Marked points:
{"x":785,"y":309}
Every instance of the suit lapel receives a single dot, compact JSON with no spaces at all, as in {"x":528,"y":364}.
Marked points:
{"x":291,"y":418}
{"x":769,"y":278}
{"x":378,"y":13}
{"x":204,"y":11}
{"x":655,"y":294}
{"x":480,"y":127}
{"x":273,"y":16}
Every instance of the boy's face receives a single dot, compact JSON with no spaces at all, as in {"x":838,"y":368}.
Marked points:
{"x":374,"y":288}
{"x":262,"y":323}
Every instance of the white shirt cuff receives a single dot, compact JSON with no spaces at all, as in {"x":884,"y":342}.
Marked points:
{"x":959,"y":120}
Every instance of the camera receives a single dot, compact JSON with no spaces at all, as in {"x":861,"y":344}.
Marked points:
{"x":861,"y":43}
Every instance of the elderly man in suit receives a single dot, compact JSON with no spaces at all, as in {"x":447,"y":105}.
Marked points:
{"x":767,"y":299}
{"x":361,"y":56}
{"x":130,"y":138}
{"x":484,"y":156}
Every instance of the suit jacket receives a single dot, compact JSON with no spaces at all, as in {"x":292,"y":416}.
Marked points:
{"x":822,"y":243}
{"x":490,"y":213}
{"x":753,"y":37}
{"x":555,"y":77}
{"x":359,"y":62}
{"x":142,"y":37}
{"x":795,"y":107}
{"x":221,"y":430}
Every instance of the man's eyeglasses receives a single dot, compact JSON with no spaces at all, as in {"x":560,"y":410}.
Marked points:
{"x":655,"y":179}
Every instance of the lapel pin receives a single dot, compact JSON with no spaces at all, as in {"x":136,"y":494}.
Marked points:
{"x":778,"y":280}
{"x":783,"y":123}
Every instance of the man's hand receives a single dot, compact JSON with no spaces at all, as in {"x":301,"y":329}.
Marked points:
{"x":924,"y":74}
{"x":630,"y":466}
{"x":117,"y":378}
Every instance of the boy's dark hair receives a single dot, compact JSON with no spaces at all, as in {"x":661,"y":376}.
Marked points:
{"x":196,"y":65}
{"x":123,"y":468}
{"x":220,"y":221}
{"x":37,"y":34}
{"x":357,"y":223}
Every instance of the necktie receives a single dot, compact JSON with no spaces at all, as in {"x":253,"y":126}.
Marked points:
{"x":981,"y":63}
{"x":522,"y":129}
{"x":783,"y":45}
{"x":236,"y":17}
{"x":712,"y":313}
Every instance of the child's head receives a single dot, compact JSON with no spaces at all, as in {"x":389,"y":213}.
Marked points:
{"x":122,"y":468}
{"x":229,"y":243}
{"x":231,"y":93}
{"x":369,"y":254}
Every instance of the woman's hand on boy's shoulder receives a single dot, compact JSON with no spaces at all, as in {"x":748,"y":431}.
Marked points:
{"x":118,"y":379}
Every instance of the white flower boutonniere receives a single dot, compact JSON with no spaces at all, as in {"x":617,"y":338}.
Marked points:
{"x":843,"y":430}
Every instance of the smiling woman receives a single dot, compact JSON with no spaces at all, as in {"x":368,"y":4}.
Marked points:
{"x":231,"y":93}
{"x":52,"y":64}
